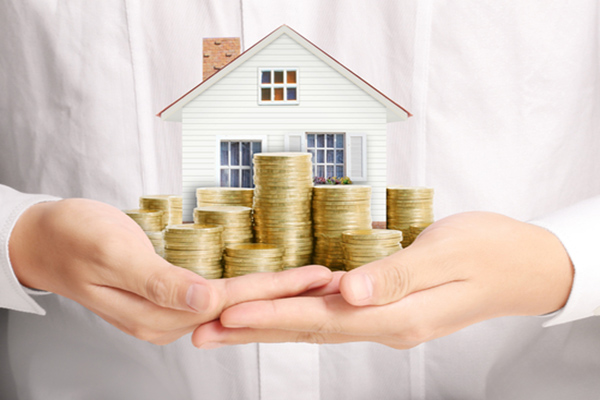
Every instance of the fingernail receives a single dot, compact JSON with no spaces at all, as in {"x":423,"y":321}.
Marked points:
{"x":198,"y":297}
{"x":360,"y":286}
{"x":211,"y":345}
{"x":318,"y":283}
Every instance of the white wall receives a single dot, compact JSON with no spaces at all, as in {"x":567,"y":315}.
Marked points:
{"x":328,"y":103}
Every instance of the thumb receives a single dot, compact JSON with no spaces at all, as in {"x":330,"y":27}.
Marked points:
{"x":165,"y":285}
{"x":389,"y":279}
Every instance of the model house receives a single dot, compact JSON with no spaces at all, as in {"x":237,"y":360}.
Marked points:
{"x":282,"y":94}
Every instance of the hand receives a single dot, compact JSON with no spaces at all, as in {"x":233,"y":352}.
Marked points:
{"x":96,"y":255}
{"x":462,"y":270}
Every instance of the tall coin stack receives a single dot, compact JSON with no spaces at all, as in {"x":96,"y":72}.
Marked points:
{"x":408,"y":206}
{"x":235,"y":220}
{"x":338,"y":208}
{"x":152,"y":224}
{"x":367,"y":245}
{"x":282,"y":204}
{"x":171,"y":205}
{"x":198,"y":248}
{"x":242,"y":259}
{"x":224,"y":196}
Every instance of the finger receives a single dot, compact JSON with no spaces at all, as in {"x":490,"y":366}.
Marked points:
{"x":139,"y":317}
{"x":131,"y":266}
{"x":394,"y":277}
{"x":326,"y":314}
{"x":213,"y":335}
{"x":331,"y":288}
{"x":270,"y":285}
{"x":418,"y":317}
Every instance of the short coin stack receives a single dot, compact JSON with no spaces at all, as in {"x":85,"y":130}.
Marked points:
{"x":171,"y":205}
{"x":158,"y":242}
{"x":198,"y":248}
{"x":282,"y":204}
{"x":338,"y":208}
{"x":407,"y":206}
{"x":367,"y":245}
{"x":416,"y":229}
{"x":224,"y":196}
{"x":148,"y":220}
{"x":235,"y":220}
{"x":152,"y":224}
{"x":242,"y":259}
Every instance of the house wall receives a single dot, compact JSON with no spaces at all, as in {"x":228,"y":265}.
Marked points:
{"x":328,"y":102}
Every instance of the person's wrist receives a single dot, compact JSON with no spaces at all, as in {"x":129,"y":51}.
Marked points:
{"x":555,"y":267}
{"x":25,"y":246}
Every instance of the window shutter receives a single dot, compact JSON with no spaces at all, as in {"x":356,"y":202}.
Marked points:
{"x":356,"y":152}
{"x":295,"y":141}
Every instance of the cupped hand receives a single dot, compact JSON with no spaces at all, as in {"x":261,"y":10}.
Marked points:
{"x":462,"y":270}
{"x":97,"y":256}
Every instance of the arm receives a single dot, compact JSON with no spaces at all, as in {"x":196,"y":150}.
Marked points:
{"x":577,"y":227}
{"x":462,"y":270}
{"x":12,"y":294}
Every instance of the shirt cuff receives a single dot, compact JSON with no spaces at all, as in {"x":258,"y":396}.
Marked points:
{"x":577,"y":228}
{"x":13,"y":295}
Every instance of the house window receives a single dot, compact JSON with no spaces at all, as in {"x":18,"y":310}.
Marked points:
{"x":327,"y":151}
{"x":236,"y":162}
{"x":278,"y":86}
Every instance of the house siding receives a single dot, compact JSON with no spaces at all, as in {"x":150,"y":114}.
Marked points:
{"x":328,"y":102}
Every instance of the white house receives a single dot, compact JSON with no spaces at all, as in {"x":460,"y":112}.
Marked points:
{"x":283,"y":94}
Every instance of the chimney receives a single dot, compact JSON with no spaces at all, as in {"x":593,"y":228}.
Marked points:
{"x":217,"y":53}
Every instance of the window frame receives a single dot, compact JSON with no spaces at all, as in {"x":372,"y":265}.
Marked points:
{"x":325,"y":148}
{"x":274,"y":85}
{"x":231,"y":138}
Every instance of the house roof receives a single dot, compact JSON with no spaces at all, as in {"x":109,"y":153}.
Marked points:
{"x":395,"y":112}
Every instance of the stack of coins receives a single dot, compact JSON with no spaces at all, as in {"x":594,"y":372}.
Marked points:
{"x":158,"y":242}
{"x":148,"y":220}
{"x":198,"y":248}
{"x":152,"y":223}
{"x":224,"y":196}
{"x":415,"y":230}
{"x":235,"y":220}
{"x":338,"y":208}
{"x":282,"y":204}
{"x":171,"y":205}
{"x":242,"y":259}
{"x":367,"y":245}
{"x":408,"y":206}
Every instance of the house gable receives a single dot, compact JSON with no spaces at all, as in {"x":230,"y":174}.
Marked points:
{"x":394,"y":112}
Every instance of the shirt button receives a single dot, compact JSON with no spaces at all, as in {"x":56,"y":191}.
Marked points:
{"x":597,"y":312}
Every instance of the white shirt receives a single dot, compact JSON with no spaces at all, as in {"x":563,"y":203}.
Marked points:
{"x":506,"y":104}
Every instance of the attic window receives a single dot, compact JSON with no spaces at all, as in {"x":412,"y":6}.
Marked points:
{"x":278,"y":86}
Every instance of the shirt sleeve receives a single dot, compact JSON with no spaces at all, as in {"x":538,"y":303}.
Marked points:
{"x":577,"y":228}
{"x":13,"y":295}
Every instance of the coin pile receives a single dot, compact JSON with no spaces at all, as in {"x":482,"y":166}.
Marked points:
{"x":158,"y":242}
{"x":416,"y":229}
{"x":367,"y":245}
{"x":235,"y":220}
{"x":336,"y":209}
{"x":408,"y":206}
{"x":224,"y":196}
{"x":198,"y":248}
{"x":247,"y":258}
{"x":282,"y":204}
{"x":170,"y":204}
{"x":152,"y":224}
{"x":148,"y":220}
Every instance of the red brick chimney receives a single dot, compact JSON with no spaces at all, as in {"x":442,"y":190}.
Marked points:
{"x":218,"y":52}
